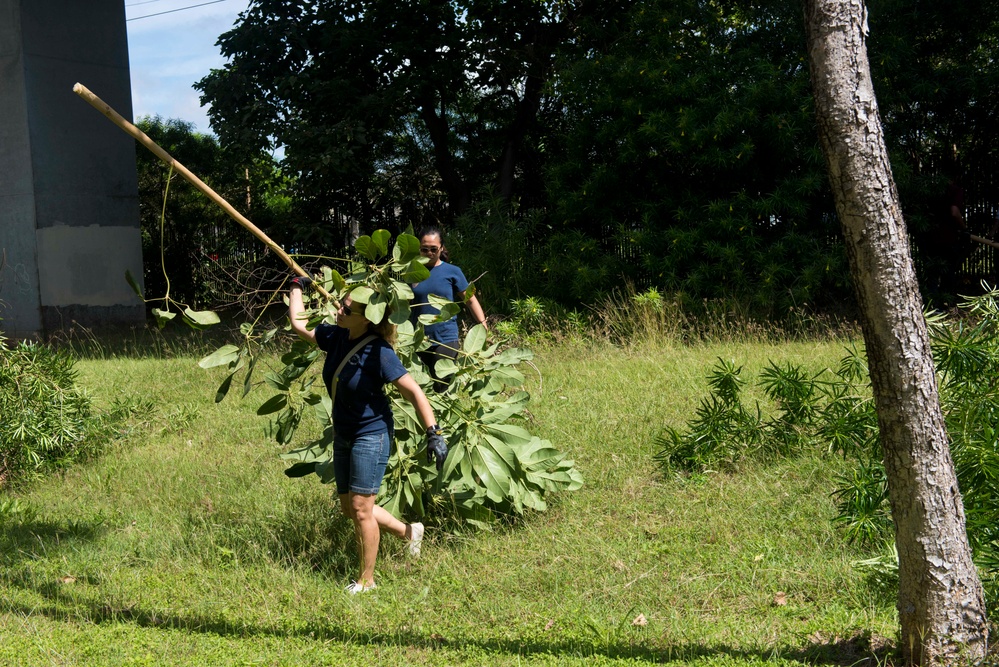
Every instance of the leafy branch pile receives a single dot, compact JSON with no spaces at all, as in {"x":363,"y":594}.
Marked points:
{"x":834,"y":411}
{"x":495,"y":465}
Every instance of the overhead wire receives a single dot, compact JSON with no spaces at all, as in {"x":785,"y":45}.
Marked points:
{"x":171,"y":11}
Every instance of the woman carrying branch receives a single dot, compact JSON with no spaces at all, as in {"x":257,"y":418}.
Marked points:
{"x":360,"y":360}
{"x":447,"y":281}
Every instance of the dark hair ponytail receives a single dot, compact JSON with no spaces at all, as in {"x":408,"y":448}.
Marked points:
{"x":433,"y":230}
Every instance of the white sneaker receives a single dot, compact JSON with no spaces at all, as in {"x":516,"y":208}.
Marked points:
{"x":415,"y":539}
{"x":357,"y":587}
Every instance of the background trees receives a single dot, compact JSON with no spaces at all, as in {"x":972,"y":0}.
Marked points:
{"x":690,"y":153}
{"x":669,"y":143}
{"x":392,"y":110}
{"x":197,"y":245}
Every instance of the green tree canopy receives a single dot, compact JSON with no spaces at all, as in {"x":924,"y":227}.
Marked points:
{"x":691,"y":143}
{"x":388,"y":108}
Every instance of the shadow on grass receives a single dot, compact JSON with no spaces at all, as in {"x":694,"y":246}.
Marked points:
{"x":325,"y":549}
{"x":29,"y":538}
{"x":860,"y":650}
{"x":147,"y":341}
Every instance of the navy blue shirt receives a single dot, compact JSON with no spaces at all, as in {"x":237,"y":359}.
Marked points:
{"x":360,"y":406}
{"x":447,"y":281}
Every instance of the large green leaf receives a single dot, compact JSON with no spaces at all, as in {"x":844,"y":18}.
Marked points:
{"x":391,"y":502}
{"x":130,"y":279}
{"x":222,"y":356}
{"x":509,"y":433}
{"x":375,"y":311}
{"x":287,"y":424}
{"x":507,"y":375}
{"x":163,"y":316}
{"x":247,"y":379}
{"x":503,"y":451}
{"x":542,"y":457}
{"x":277,"y":381}
{"x":202,"y":318}
{"x":496,"y":414}
{"x":314,"y":451}
{"x":475,"y":339}
{"x":402,"y":291}
{"x":224,"y":388}
{"x":513,"y":355}
{"x":400,"y":311}
{"x":333,"y":279}
{"x":380,"y":238}
{"x":416,"y":272}
{"x":445,"y":367}
{"x":366,"y":248}
{"x":326,"y":471}
{"x":556,"y":479}
{"x":407,"y":248}
{"x":273,"y":404}
{"x":456,"y":454}
{"x":362,"y":294}
{"x":416,"y":483}
{"x":491,"y":471}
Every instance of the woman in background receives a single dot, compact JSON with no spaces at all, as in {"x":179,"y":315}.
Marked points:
{"x":447,"y":281}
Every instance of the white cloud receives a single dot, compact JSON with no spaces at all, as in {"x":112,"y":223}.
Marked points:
{"x":170,"y":52}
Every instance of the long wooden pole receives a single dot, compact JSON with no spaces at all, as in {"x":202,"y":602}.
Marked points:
{"x":144,"y":139}
{"x":984,"y":240}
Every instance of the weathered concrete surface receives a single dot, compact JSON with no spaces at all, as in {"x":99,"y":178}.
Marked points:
{"x":69,"y":212}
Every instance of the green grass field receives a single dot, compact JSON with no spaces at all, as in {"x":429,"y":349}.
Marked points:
{"x":186,"y":545}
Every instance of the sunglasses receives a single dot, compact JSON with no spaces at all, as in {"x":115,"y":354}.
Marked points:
{"x":346,"y":310}
{"x":429,"y":249}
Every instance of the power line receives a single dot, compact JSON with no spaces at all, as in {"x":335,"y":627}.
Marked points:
{"x":171,"y":11}
{"x":144,"y":2}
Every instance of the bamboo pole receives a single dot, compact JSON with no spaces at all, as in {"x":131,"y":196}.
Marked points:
{"x":144,"y":139}
{"x":984,"y":240}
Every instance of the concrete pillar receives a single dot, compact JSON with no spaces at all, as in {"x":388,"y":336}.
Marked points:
{"x":69,"y":209}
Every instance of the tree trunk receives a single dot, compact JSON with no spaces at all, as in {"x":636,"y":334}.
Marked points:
{"x":459,"y":198}
{"x":940,"y":599}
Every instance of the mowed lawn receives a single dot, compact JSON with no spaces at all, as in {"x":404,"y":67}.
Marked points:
{"x":186,"y":545}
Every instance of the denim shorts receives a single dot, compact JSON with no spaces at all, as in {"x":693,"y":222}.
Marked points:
{"x":359,"y":464}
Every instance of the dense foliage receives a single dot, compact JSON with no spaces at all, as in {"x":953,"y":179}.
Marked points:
{"x":388,"y":109}
{"x":691,"y":142}
{"x":48,"y":422}
{"x":669,"y":143}
{"x":833,"y":410}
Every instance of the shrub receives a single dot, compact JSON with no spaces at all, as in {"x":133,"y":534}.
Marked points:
{"x":48,"y":422}
{"x":834,"y":411}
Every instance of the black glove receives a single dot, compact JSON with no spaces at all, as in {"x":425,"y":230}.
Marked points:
{"x":302,"y":282}
{"x":436,"y":447}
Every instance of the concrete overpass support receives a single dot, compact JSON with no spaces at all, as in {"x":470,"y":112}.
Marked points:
{"x":69,"y":209}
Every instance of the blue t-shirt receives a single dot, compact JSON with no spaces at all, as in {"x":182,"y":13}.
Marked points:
{"x":360,"y":406}
{"x":447,"y":281}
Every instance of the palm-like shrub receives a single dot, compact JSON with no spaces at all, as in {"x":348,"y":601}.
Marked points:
{"x":833,"y":411}
{"x":46,"y":420}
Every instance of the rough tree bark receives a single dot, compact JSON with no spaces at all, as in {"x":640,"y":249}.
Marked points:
{"x":940,"y":600}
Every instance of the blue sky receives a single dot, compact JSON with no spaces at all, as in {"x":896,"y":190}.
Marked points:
{"x":170,"y":52}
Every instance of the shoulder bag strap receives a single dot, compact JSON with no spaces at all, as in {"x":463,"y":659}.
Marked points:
{"x":336,"y":376}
